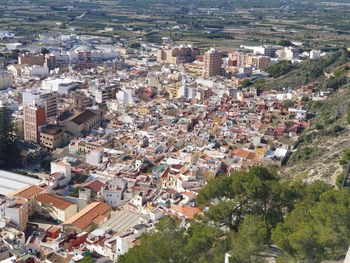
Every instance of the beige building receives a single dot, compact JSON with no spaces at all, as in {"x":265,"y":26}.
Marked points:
{"x":16,"y":70}
{"x":29,"y":193}
{"x":242,"y":58}
{"x":55,"y":207}
{"x":212,"y":63}
{"x":177,"y":55}
{"x":258,"y":62}
{"x":89,"y":218}
{"x":53,"y":136}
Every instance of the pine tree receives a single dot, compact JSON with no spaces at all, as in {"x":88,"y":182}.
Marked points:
{"x":8,"y":150}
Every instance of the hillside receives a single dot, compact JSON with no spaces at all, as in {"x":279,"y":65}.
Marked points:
{"x":320,"y":148}
{"x":317,"y":157}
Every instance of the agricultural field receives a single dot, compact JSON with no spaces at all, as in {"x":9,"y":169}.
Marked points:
{"x":225,"y":23}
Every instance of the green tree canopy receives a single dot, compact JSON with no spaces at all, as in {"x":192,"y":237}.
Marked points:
{"x":280,"y":68}
{"x":319,"y":230}
{"x":9,"y":154}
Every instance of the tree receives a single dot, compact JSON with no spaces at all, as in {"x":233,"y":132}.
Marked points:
{"x":279,"y":69}
{"x":218,"y":188}
{"x":246,"y":83}
{"x":135,"y":45}
{"x":285,"y":43}
{"x":345,"y":157}
{"x":46,"y":165}
{"x":13,"y":54}
{"x":45,"y":51}
{"x":316,"y":231}
{"x":172,"y":243}
{"x":9,"y":154}
{"x":164,"y":245}
{"x":250,"y":239}
{"x":309,"y":222}
{"x":256,"y":192}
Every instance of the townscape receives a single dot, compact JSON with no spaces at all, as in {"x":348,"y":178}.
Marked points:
{"x":116,"y":135}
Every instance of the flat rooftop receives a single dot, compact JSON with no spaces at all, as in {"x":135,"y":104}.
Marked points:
{"x":122,"y":221}
{"x":11,"y":182}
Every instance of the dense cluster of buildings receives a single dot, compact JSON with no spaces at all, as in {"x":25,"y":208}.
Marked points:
{"x":134,"y":134}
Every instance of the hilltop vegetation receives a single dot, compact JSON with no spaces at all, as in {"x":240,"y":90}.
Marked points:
{"x":311,"y":72}
{"x":317,"y":156}
{"x":248,"y":213}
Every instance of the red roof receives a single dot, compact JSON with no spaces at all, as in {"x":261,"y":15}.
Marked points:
{"x":95,"y":185}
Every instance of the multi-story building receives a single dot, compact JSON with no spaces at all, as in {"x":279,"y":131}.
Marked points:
{"x":81,"y":101}
{"x":102,"y":94}
{"x":115,"y":192}
{"x":31,"y":59}
{"x":177,"y":55}
{"x":266,"y":50}
{"x":241,"y":58}
{"x":50,"y":61}
{"x":84,"y":60}
{"x":113,"y":65}
{"x":212,"y":63}
{"x":288,"y":53}
{"x":46,"y":98}
{"x":258,"y":62}
{"x":34,"y":117}
{"x":16,"y":210}
{"x":29,"y":193}
{"x":16,"y":69}
{"x":53,"y":136}
{"x":5,"y":79}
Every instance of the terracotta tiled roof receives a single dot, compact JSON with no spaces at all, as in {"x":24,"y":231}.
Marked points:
{"x":190,"y":212}
{"x":54,"y":200}
{"x":28,"y":191}
{"x":95,"y":185}
{"x":87,"y":216}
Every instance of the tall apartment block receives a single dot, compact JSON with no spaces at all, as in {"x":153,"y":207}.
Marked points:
{"x":40,"y":97}
{"x":31,"y":59}
{"x":34,"y":117}
{"x":50,"y":61}
{"x":212,"y":63}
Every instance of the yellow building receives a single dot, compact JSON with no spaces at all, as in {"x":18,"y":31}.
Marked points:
{"x":53,"y":137}
{"x":260,"y":151}
{"x":143,"y":111}
{"x":89,"y":218}
{"x":29,"y":193}
{"x":174,"y":91}
{"x":55,"y":207}
{"x":16,"y":69}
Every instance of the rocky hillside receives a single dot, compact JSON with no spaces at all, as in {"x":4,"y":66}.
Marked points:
{"x":317,"y":156}
{"x":322,"y":145}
